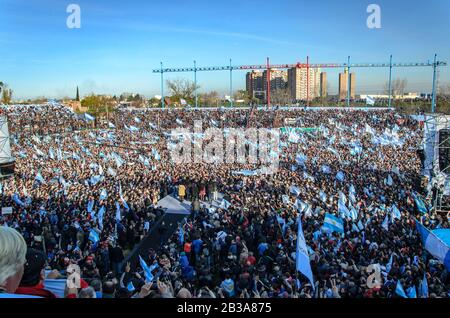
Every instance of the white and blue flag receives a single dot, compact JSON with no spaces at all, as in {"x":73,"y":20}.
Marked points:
{"x":411,"y":292}
{"x":89,"y":117}
{"x":435,"y":245}
{"x":420,"y":205}
{"x":295,"y":190}
{"x":340,"y":176}
{"x":395,"y":213}
{"x":333,"y":223}
{"x":424,"y":287}
{"x":224,"y":204}
{"x":118,"y":216}
{"x":90,"y":206}
{"x":323,"y":196}
{"x":343,"y":211}
{"x":326,"y":169}
{"x":301,"y":255}
{"x":93,"y":236}
{"x":385,"y":224}
{"x":103,"y":195}
{"x":39,"y":178}
{"x":147,"y":271}
{"x":399,"y":290}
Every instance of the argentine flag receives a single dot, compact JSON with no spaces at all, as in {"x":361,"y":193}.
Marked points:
{"x":282,"y":223}
{"x":93,"y":236}
{"x":326,"y":169}
{"x":111,"y":125}
{"x":103,"y":195}
{"x":111,"y":172}
{"x":293,"y":137}
{"x":101,"y":212}
{"x":156,"y":154}
{"x":301,"y":255}
{"x":323,"y":196}
{"x":389,"y":181}
{"x":370,"y":101}
{"x":89,"y":117}
{"x":147,"y":272}
{"x":435,"y":245}
{"x":39,"y":178}
{"x":301,"y":159}
{"x":299,"y":205}
{"x":295,"y":190}
{"x":399,"y":290}
{"x":411,"y":292}
{"x":420,"y":205}
{"x":385,"y":224}
{"x":118,"y":216}
{"x":181,"y":235}
{"x":333,"y":223}
{"x":90,"y":206}
{"x":352,"y":193}
{"x":343,"y":211}
{"x":395,"y":213}
{"x":340,"y":176}
{"x":225,"y":204}
{"x":424,"y":287}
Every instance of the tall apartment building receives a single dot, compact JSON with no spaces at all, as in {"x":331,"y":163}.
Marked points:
{"x":254,"y":84}
{"x":278,"y":79}
{"x":343,"y":85}
{"x":298,"y":83}
{"x":323,"y":85}
{"x":352,"y":85}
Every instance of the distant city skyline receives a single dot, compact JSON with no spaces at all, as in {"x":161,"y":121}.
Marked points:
{"x":120,"y":43}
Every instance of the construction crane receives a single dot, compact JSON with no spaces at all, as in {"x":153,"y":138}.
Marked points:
{"x":306,"y":65}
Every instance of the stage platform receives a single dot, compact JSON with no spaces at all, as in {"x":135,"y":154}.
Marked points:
{"x":174,"y":206}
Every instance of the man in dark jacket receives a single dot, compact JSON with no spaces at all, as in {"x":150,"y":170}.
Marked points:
{"x":32,"y":282}
{"x":116,"y":257}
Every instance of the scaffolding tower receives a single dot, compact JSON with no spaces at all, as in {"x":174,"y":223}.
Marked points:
{"x":438,"y":174}
{"x":6,"y":159}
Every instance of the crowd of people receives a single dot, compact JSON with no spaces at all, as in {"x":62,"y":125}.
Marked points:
{"x":85,"y":193}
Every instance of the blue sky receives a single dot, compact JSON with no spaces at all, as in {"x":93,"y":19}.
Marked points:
{"x":120,"y":42}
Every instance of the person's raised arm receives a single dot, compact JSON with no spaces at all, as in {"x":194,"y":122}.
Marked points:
{"x":335,"y":289}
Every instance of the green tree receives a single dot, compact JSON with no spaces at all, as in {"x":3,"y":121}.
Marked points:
{"x":78,"y":95}
{"x":154,"y":102}
{"x":210,"y":99}
{"x":98,"y":105}
{"x":242,"y":95}
{"x":182,"y":88}
{"x":281,"y":97}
